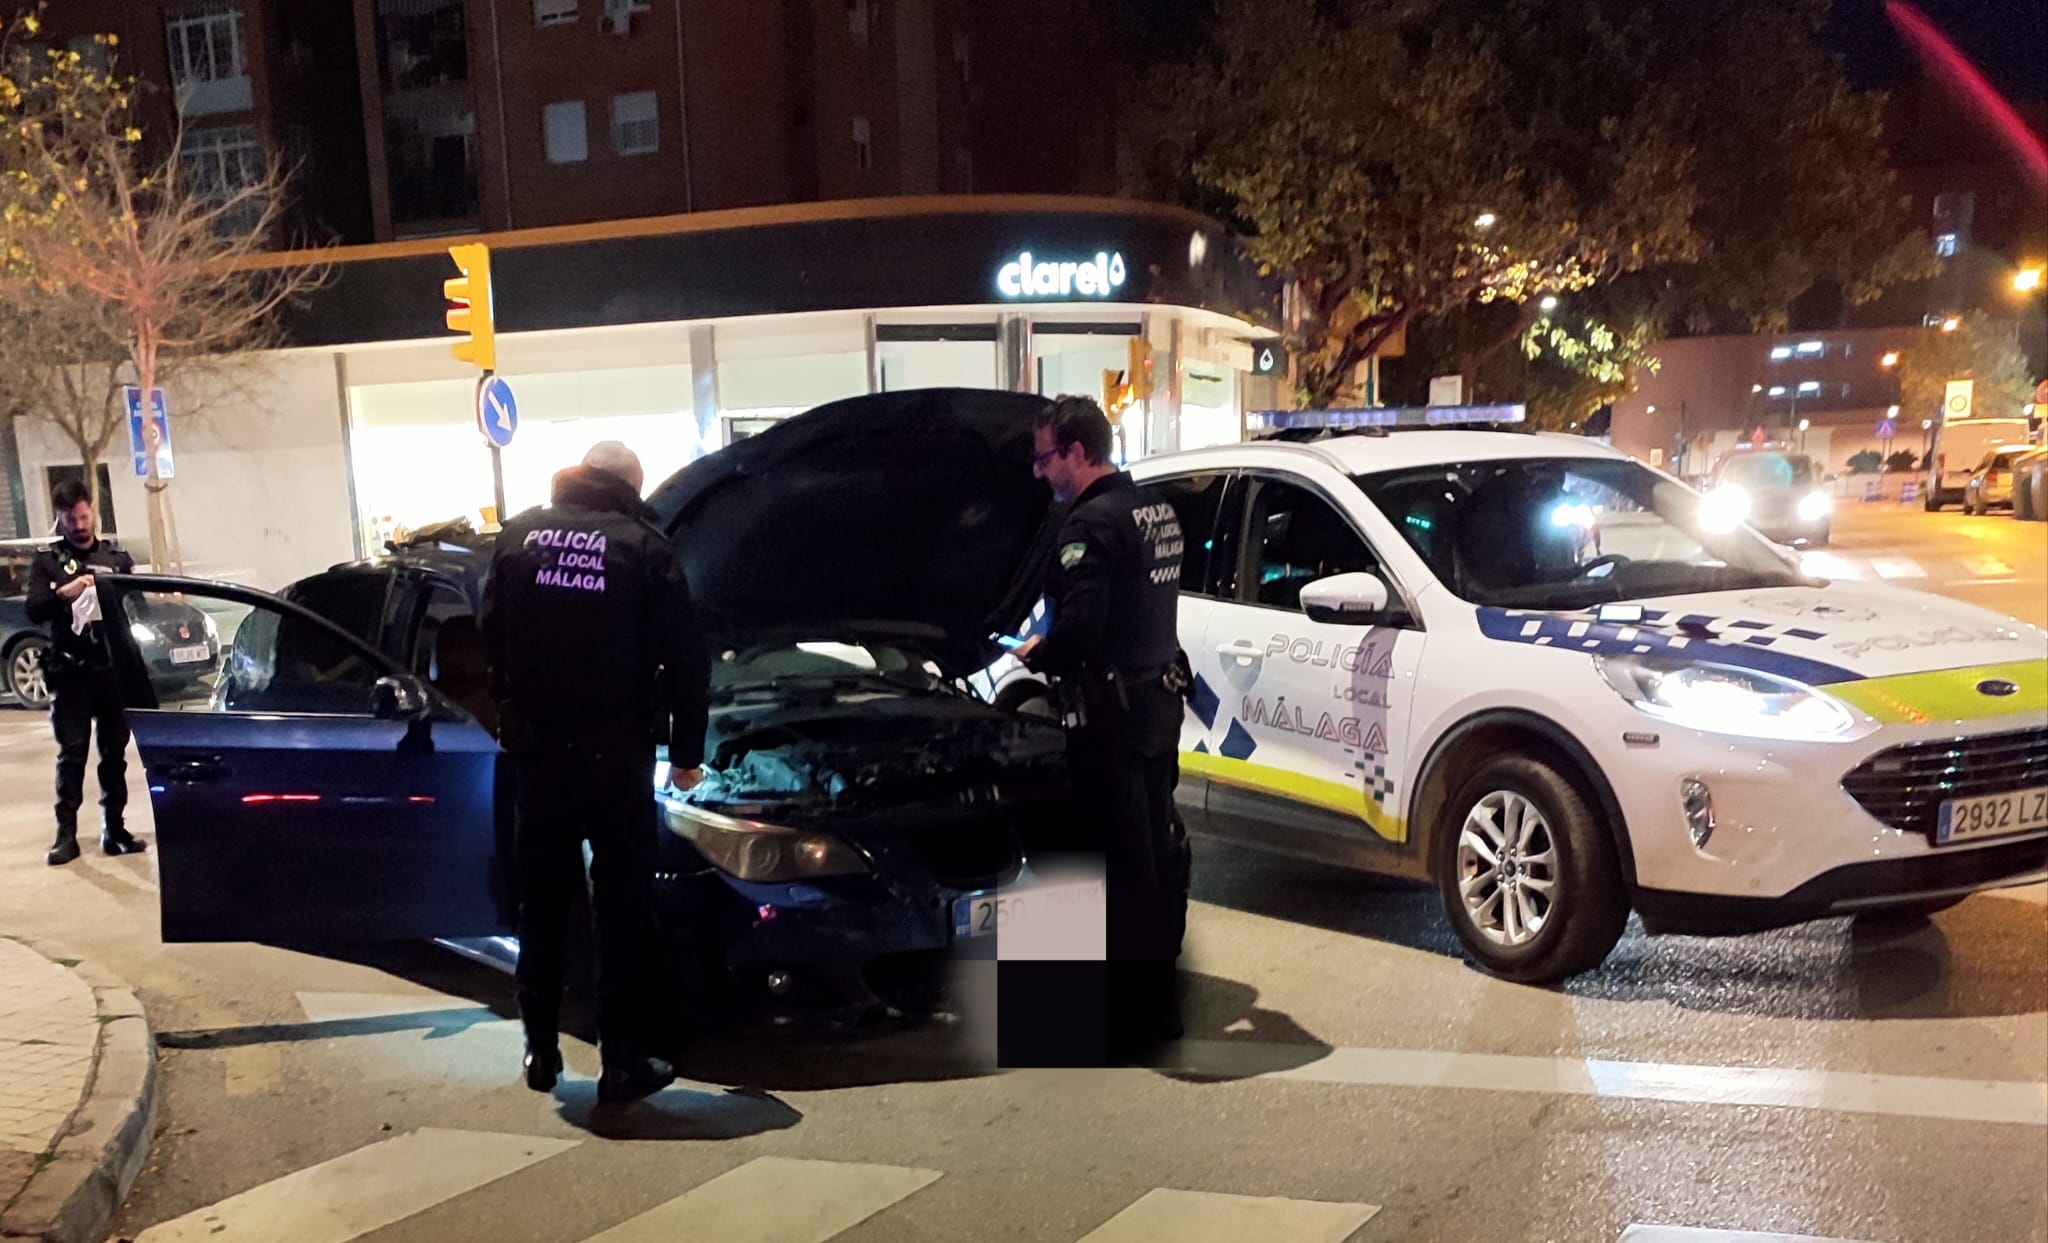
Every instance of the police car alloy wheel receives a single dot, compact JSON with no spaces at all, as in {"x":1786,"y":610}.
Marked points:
{"x":1528,"y":873}
{"x":27,"y":676}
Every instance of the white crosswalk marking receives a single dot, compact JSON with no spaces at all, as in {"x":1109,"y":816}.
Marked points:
{"x":361,"y":1191}
{"x":1988,"y":567}
{"x":774,"y":1200}
{"x":1897,"y":567}
{"x":1690,"y":1234}
{"x":1207,"y":1217}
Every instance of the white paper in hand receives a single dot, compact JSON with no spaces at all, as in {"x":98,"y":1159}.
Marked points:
{"x":85,"y":610}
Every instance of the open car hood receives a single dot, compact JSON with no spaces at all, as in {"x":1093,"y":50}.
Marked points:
{"x":912,"y":515}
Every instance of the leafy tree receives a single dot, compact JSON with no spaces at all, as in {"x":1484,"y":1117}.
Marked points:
{"x":1867,"y":462}
{"x":168,"y":269}
{"x":1982,"y":350}
{"x":1383,"y":154}
{"x":1902,"y":460}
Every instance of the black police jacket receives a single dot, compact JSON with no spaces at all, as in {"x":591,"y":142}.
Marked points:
{"x":589,"y":628}
{"x":1113,"y":587}
{"x":52,"y":568}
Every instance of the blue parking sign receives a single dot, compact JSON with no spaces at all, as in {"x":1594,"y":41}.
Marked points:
{"x":154,"y":435}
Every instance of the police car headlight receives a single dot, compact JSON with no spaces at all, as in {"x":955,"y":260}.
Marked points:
{"x":1815,"y":505}
{"x":1722,"y":699}
{"x":754,"y":851}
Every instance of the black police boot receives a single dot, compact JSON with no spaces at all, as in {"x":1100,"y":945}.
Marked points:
{"x":65,"y":849}
{"x":629,"y":1081}
{"x":115,"y":839}
{"x":543,"y":1066}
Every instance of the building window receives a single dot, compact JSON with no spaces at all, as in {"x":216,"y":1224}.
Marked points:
{"x":636,"y":124}
{"x":217,"y":164}
{"x":1810,"y":349}
{"x":208,"y":68}
{"x":863,"y":146}
{"x":554,"y":12}
{"x":568,"y":138}
{"x":1779,"y":353}
{"x":1945,"y":245}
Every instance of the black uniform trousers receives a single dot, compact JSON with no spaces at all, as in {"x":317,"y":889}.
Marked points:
{"x":85,"y":699}
{"x":1124,"y":766}
{"x":603,"y":793}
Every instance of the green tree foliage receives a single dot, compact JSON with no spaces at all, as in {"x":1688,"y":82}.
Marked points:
{"x":1980,"y":350}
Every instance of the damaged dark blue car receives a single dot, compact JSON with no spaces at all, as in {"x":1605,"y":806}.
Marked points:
{"x":336,"y":778}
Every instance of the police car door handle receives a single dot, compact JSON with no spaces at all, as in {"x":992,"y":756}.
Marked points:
{"x":195,"y":768}
{"x":1239,"y":649}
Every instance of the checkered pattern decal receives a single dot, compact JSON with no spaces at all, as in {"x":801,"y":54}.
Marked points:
{"x":1745,"y":643}
{"x":1378,"y":786}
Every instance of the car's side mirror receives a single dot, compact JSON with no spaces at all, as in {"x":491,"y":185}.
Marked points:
{"x":401,"y":698}
{"x":1354,"y":599}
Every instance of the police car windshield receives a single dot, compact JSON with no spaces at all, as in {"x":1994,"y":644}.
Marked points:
{"x":1560,"y":533}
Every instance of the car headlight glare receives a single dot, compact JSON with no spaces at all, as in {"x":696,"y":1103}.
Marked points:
{"x":1723,"y":510}
{"x":1815,"y":505}
{"x":142,"y":633}
{"x":768,"y":853}
{"x":1723,"y":699}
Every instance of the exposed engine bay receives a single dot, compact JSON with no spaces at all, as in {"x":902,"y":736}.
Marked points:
{"x":861,"y":750}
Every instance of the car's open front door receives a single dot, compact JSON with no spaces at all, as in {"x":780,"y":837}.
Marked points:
{"x":306,"y":788}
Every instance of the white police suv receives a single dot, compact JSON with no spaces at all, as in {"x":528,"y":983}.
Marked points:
{"x":1543,"y":676}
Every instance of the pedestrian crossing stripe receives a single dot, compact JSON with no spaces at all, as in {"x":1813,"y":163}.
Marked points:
{"x":768,"y":1199}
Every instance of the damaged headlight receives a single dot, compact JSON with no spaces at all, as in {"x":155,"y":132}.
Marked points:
{"x":761,"y":852}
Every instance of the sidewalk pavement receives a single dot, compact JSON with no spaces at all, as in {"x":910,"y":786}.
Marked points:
{"x":78,"y":1093}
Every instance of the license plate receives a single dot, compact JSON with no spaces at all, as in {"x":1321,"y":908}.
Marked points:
{"x":975,"y":916}
{"x":1993,"y":815}
{"x":189,"y":655}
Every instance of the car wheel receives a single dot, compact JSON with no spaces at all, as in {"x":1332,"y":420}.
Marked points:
{"x":1528,"y":874}
{"x":1932,"y":504}
{"x":28,"y":677}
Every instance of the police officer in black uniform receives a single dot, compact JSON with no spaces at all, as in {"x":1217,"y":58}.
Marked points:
{"x":595,"y":654}
{"x":80,"y":674}
{"x":1112,"y":649}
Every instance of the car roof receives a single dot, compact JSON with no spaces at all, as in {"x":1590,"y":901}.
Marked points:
{"x":1365,"y":454}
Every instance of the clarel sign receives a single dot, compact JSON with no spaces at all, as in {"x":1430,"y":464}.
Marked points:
{"x":1026,"y":277}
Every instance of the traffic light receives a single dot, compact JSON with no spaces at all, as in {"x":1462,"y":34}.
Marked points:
{"x":469,"y":306}
{"x":1139,"y":374}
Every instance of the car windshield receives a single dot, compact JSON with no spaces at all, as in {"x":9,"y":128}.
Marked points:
{"x":1765,"y":470}
{"x":1562,"y":533}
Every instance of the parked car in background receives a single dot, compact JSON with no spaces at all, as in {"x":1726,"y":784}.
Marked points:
{"x":1959,"y":447}
{"x":22,"y":643}
{"x":2030,"y":486}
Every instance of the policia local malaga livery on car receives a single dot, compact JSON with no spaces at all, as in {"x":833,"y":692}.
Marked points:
{"x":1556,"y":684}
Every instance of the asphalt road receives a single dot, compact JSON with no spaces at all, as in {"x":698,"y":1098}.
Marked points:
{"x":1352,"y":1079}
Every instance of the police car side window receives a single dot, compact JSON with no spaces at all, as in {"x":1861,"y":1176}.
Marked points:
{"x":1195,"y":500}
{"x":1295,"y":537}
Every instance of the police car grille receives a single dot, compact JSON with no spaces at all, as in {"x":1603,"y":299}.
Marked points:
{"x":1905,"y":786}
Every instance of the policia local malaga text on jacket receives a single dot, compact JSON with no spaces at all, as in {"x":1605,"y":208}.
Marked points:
{"x":86,"y":697}
{"x":1113,"y":592}
{"x":595,"y":654}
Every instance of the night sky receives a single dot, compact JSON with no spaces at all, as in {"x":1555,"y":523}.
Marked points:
{"x":2007,"y":39}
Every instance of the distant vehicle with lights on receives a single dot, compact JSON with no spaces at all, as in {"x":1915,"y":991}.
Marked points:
{"x":1991,"y":484}
{"x":1560,"y":685}
{"x":177,"y":643}
{"x":1779,"y":495}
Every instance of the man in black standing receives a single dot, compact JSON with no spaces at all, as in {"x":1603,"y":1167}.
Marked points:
{"x":1113,"y":593}
{"x":80,"y":674}
{"x":594,"y":654}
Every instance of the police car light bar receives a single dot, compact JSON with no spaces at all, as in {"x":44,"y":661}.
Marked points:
{"x":1386,"y":416}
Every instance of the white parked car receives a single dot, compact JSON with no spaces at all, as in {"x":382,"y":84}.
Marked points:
{"x":1526,"y":668}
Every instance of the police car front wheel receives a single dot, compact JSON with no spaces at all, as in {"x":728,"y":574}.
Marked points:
{"x":1528,"y":874}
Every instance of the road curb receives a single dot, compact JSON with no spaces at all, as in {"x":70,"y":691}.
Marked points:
{"x":101,"y":1150}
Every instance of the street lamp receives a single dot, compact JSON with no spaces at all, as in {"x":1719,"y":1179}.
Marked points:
{"x":1890,"y":359}
{"x":1486,"y":220}
{"x":1548,"y":303}
{"x":2027,"y":280}
{"x":1951,"y":324}
{"x":1756,"y":388}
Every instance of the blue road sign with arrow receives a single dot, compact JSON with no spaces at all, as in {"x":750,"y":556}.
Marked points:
{"x":497,"y":414}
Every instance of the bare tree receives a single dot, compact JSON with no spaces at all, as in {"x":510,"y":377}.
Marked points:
{"x":173,"y":249}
